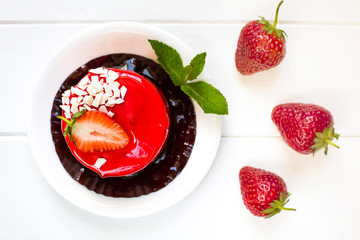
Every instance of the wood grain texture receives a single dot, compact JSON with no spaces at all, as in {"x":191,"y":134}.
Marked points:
{"x":321,"y":66}
{"x":31,"y":209}
{"x":305,"y":11}
{"x":322,"y":70}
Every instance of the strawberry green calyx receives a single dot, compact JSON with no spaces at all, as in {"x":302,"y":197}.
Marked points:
{"x":324,"y":138}
{"x":70,"y":124}
{"x":272,"y":28}
{"x":277,"y":206}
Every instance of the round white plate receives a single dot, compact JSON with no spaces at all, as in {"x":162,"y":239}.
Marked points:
{"x":123,"y":37}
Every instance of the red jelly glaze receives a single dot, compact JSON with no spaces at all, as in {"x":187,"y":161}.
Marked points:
{"x":144,"y":115}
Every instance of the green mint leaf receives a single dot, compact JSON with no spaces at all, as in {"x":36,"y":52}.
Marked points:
{"x":195,"y":67}
{"x":208,"y":97}
{"x":170,"y":60}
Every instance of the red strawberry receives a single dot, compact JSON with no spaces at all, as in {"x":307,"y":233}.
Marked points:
{"x":93,"y":131}
{"x":261,"y":46}
{"x":264,"y":193}
{"x":306,"y":128}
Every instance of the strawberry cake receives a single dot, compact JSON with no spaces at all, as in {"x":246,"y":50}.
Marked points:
{"x":120,"y":121}
{"x":128,"y":130}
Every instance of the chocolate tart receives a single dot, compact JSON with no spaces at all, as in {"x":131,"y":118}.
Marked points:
{"x":169,"y":163}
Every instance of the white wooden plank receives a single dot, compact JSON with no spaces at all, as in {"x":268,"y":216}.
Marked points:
{"x":324,"y":191}
{"x":187,"y":10}
{"x":322,"y":69}
{"x":24,"y":51}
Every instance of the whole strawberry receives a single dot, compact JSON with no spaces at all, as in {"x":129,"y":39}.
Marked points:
{"x":306,"y":128}
{"x":261,"y":46}
{"x":264,"y":193}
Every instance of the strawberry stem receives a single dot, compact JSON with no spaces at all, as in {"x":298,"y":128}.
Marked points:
{"x":70,"y":124}
{"x":324,"y":138}
{"x":270,"y":29}
{"x":64,"y":119}
{"x":287,"y":209}
{"x":277,"y":205}
{"x":277,"y":13}
{"x":331,"y":143}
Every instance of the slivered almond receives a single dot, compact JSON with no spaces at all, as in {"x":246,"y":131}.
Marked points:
{"x":123,"y":91}
{"x":110,"y":113}
{"x":74,"y":108}
{"x":103,"y":109}
{"x":78,"y":91}
{"x":88,"y":100}
{"x":99,"y":162}
{"x":116,"y":92}
{"x":66,"y":108}
{"x":99,"y":70}
{"x":97,"y":100}
{"x":112,"y":76}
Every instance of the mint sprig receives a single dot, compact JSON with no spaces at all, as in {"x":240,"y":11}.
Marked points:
{"x":195,"y":67}
{"x":208,"y":97}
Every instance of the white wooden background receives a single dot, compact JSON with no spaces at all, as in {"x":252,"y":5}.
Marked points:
{"x":321,"y":66}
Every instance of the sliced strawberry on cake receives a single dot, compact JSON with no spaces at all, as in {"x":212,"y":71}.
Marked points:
{"x":93,"y":131}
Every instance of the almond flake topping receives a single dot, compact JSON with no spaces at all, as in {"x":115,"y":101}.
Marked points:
{"x":65,"y":100}
{"x":110,"y":113}
{"x":97,"y":100}
{"x":103,"y":109}
{"x":123,"y":91}
{"x":88,"y":100}
{"x":97,"y":91}
{"x":66,"y":108}
{"x":116,"y":92}
{"x":67,"y":93}
{"x":99,"y":162}
{"x":112,"y":76}
{"x":78,"y":91}
{"x":99,"y":70}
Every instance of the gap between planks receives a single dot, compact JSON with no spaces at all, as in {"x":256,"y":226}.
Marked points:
{"x":22,"y":137}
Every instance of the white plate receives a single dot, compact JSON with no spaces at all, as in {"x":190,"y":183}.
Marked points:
{"x":123,"y":37}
